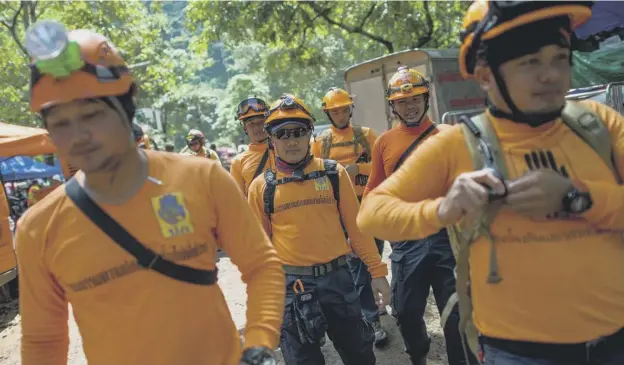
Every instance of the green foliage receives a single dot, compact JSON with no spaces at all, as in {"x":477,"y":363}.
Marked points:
{"x":305,"y":47}
{"x":135,"y":28}
{"x":384,"y":26}
{"x":198,"y":60}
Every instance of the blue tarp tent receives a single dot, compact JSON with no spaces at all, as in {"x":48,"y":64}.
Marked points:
{"x":23,"y":168}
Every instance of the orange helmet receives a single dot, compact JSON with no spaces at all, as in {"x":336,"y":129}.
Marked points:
{"x":405,"y":83}
{"x":486,"y":20}
{"x":288,"y":106}
{"x":94,"y":67}
{"x":336,"y":98}
{"x":250,"y":107}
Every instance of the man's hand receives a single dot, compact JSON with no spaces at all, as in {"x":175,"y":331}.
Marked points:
{"x":468,"y":194}
{"x":258,"y":356}
{"x":381,"y":288}
{"x":538,"y":193}
{"x":352,"y":170}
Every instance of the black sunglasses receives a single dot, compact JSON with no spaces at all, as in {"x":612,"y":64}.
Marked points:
{"x":294,"y":132}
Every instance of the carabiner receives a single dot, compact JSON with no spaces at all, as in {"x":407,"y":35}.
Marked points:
{"x":300,"y":284}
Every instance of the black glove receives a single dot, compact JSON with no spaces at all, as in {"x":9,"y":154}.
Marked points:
{"x":258,"y":356}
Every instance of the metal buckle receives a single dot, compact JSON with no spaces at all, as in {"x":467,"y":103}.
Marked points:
{"x":298,"y":175}
{"x":319,"y":270}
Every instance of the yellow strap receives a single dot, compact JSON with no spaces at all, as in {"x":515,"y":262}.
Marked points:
{"x":591,"y":129}
{"x":360,"y":139}
{"x":466,"y":232}
{"x":326,"y":140}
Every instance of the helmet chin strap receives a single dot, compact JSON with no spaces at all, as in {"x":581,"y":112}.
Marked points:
{"x":346,"y":125}
{"x":532,"y":119}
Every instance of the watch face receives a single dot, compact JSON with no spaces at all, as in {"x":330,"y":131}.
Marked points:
{"x":578,"y":205}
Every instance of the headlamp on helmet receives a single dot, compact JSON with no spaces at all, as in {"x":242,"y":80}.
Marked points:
{"x":405,"y":83}
{"x":75,"y":65}
{"x":288,"y":106}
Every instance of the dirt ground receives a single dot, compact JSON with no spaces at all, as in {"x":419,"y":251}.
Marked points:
{"x":234,"y":290}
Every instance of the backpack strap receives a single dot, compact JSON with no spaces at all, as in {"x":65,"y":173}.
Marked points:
{"x":591,"y":129}
{"x":269,"y":191}
{"x":326,"y":143}
{"x":485,"y":151}
{"x":360,"y":139}
{"x":409,"y":149}
{"x":263,"y":162}
{"x":330,"y":170}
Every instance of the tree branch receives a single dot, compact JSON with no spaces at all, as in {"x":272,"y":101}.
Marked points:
{"x":426,"y":38}
{"x":12,"y":28}
{"x":368,"y":14}
{"x":324,"y":13}
{"x":292,"y":16}
{"x":309,"y":23}
{"x":33,"y":14}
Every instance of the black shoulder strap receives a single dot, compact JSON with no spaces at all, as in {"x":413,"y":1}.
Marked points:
{"x":269,"y":191}
{"x":409,"y":149}
{"x":331,"y":169}
{"x":263,"y":162}
{"x":145,"y":257}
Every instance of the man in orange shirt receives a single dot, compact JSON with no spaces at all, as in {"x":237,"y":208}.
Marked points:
{"x":351,"y":147}
{"x":196,"y":146}
{"x":247,"y":165}
{"x":301,"y":205}
{"x":130,"y":241}
{"x":538,"y":226}
{"x":423,"y":264}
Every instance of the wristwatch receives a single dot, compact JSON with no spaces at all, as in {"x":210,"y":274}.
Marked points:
{"x":576,"y":201}
{"x":258,"y":356}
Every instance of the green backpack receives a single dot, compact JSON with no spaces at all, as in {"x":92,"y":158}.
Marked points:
{"x":485,"y":151}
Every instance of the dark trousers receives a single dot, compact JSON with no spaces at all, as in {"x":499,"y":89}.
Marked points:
{"x":351,"y":335}
{"x":608,"y":350}
{"x":362,"y":280}
{"x":416,"y":267}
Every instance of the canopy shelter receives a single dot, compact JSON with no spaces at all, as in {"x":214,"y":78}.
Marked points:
{"x":600,"y":56}
{"x":16,"y":140}
{"x":24,"y":168}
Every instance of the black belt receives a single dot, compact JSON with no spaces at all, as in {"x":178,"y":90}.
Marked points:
{"x":565,"y":353}
{"x":317,"y":270}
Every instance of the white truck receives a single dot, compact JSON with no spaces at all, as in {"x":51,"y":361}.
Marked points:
{"x":450,"y":96}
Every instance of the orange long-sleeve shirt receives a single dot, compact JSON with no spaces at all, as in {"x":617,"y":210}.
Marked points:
{"x":345,"y":155}
{"x":245,"y":164}
{"x":390,"y":146}
{"x":305,"y":227}
{"x":129,"y":315}
{"x":563,"y":279}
